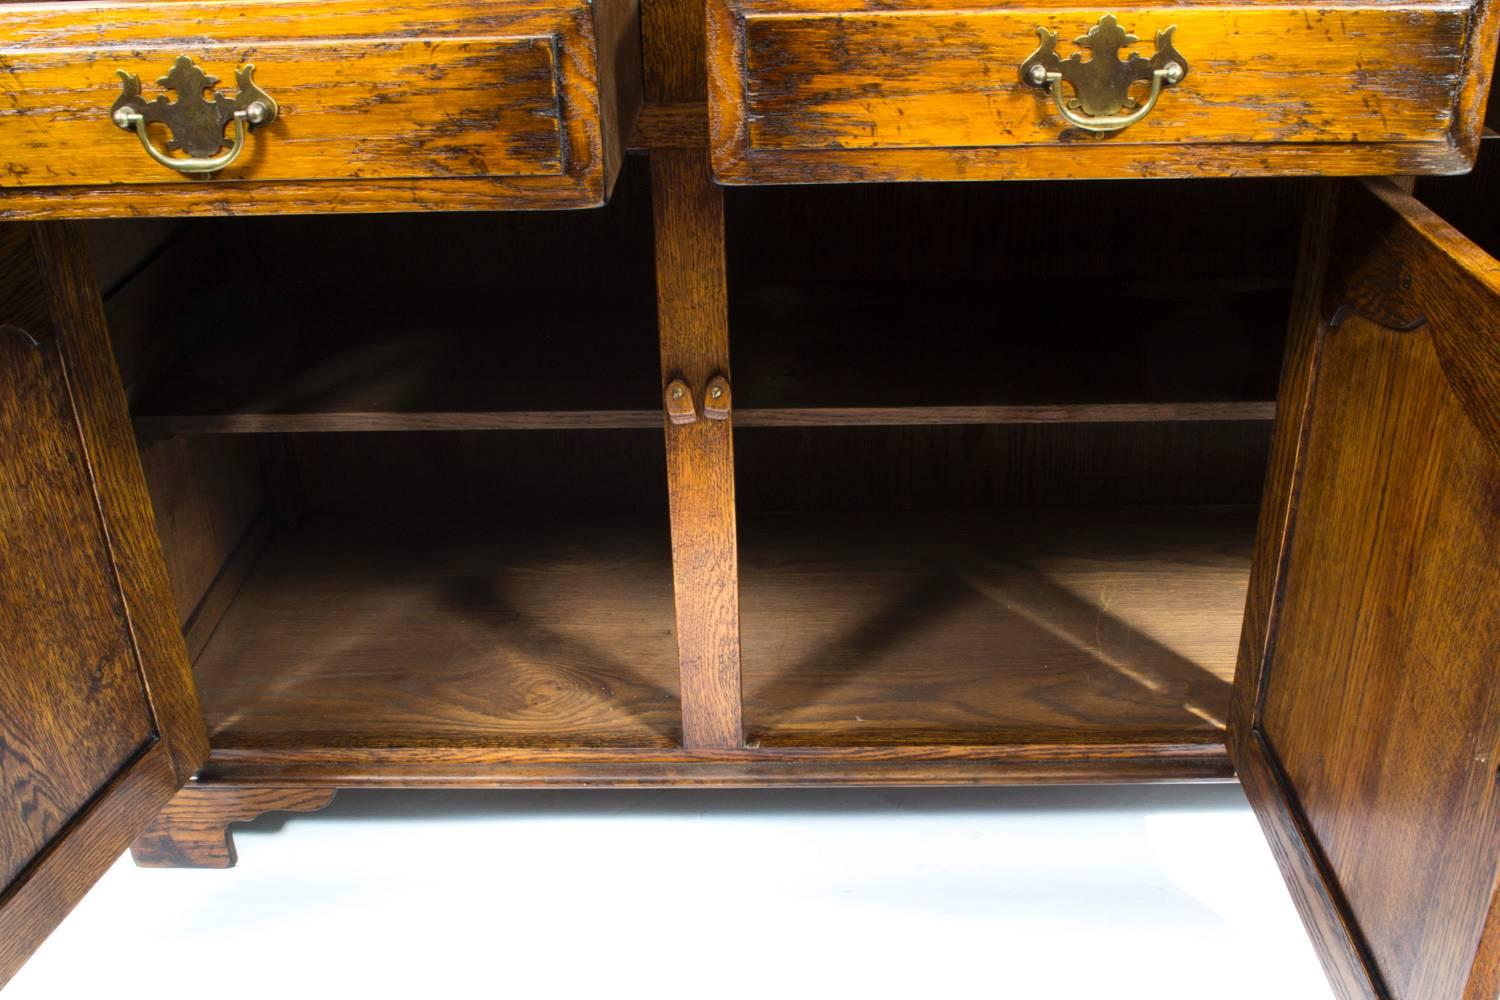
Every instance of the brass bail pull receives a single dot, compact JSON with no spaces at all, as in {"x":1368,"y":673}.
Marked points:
{"x":1101,"y":86}
{"x":196,"y":123}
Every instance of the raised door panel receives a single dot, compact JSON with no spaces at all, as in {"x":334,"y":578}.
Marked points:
{"x":99,"y":723}
{"x":1367,"y":724}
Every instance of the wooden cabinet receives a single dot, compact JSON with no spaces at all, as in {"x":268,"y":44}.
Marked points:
{"x":999,"y":483}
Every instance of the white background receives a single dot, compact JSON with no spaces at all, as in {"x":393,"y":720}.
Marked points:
{"x":1159,"y":892}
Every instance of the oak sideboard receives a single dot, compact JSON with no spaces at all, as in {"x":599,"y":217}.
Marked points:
{"x":1115,"y":397}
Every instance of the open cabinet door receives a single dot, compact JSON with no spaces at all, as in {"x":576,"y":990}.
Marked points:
{"x":99,"y":720}
{"x":1366,"y":718}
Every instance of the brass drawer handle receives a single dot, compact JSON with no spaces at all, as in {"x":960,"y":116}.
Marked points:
{"x":1102,"y":85}
{"x":196,"y":123}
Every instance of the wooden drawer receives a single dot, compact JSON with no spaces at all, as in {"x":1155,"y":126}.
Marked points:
{"x":851,"y":90}
{"x":402,"y":105}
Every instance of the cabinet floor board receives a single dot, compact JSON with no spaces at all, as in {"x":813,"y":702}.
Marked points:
{"x":994,"y":626}
{"x":1113,"y":628}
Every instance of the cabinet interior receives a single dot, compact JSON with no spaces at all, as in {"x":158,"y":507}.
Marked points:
{"x":998,"y":451}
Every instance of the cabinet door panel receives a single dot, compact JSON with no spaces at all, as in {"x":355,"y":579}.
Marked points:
{"x":1369,"y":736}
{"x":98,"y":722}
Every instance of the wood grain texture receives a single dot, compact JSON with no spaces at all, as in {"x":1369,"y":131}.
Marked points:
{"x":205,"y":491}
{"x":863,"y":629}
{"x":692,"y":310}
{"x":617,"y":33}
{"x":506,"y":101}
{"x":75,"y":702}
{"x":673,"y":56}
{"x":201,"y":623}
{"x":1479,"y":84}
{"x":951,"y":80}
{"x":397,"y":632}
{"x":811,"y":416}
{"x":825,"y":90}
{"x":32,"y":907}
{"x":101,"y":722}
{"x":120,"y":491}
{"x":192,"y":831}
{"x":1313,"y":891}
{"x":675,"y":125}
{"x":1049,"y":762}
{"x":1078,"y":628}
{"x":1484,"y":981}
{"x":391,"y":108}
{"x":1278,"y":497}
{"x":1325,"y":915}
{"x":1384,"y":628}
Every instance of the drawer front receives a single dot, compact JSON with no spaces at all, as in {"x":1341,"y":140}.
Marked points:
{"x":426,"y":92}
{"x":817,"y":93}
{"x":378,"y":108}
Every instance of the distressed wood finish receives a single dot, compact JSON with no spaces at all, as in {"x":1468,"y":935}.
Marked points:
{"x":1384,"y":613}
{"x":429,"y":107}
{"x":192,"y":831}
{"x":692,"y":307}
{"x":437,"y":104}
{"x":828,"y":90}
{"x":100,"y":720}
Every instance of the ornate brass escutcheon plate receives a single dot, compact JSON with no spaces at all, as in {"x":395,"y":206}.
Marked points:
{"x":196,"y":123}
{"x":1101,"y":86}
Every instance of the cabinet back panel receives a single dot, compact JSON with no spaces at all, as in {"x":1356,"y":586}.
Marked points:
{"x":440,"y":472}
{"x":1015,"y":465}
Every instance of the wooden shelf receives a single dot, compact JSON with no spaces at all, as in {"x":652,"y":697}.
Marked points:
{"x":834,"y":355}
{"x":1094,"y":627}
{"x":986,"y":627}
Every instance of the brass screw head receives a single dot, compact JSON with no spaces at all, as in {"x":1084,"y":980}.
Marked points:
{"x":676,"y":392}
{"x":716,"y":392}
